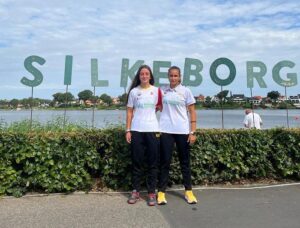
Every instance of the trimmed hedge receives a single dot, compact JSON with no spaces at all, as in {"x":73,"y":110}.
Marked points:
{"x":68,"y":161}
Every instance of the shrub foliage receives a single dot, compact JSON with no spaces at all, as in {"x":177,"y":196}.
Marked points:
{"x":65,"y":161}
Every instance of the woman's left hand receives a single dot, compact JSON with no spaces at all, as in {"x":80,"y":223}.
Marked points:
{"x":191,"y":139}
{"x":128,"y":136}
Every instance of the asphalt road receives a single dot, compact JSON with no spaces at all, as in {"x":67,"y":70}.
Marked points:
{"x":271,"y":207}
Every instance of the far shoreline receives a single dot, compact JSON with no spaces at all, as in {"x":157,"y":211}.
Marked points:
{"x":123,"y":108}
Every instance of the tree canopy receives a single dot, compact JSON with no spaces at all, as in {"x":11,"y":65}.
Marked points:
{"x":273,"y":95}
{"x":123,"y":98}
{"x":85,"y":95}
{"x":63,"y":97}
{"x":221,"y":95}
{"x":106,"y":98}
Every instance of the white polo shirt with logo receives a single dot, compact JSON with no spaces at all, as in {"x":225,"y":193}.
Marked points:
{"x":143,"y":102}
{"x":174,"y":118}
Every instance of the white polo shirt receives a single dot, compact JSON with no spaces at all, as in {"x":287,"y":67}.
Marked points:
{"x":174,"y":117}
{"x":249,"y":120}
{"x":143,"y":102}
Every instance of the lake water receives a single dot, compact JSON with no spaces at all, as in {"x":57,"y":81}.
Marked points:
{"x":205,"y":118}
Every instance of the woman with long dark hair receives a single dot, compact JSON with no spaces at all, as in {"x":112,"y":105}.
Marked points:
{"x":142,"y":132}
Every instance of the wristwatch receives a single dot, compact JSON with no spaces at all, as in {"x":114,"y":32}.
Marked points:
{"x":192,"y":133}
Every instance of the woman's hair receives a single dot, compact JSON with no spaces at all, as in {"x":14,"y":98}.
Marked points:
{"x":175,"y":68}
{"x":136,"y":81}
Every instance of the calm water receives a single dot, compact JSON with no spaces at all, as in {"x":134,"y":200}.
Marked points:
{"x":205,"y":118}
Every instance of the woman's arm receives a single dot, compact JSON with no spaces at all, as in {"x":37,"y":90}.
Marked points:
{"x":193,"y":120}
{"x":129,"y":115}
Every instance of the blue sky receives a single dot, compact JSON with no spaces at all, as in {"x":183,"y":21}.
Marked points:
{"x":267,"y":31}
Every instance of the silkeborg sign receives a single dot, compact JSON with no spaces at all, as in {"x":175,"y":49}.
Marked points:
{"x":255,"y":70}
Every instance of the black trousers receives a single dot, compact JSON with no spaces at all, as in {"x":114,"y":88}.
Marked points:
{"x":144,"y":147}
{"x":167,"y":142}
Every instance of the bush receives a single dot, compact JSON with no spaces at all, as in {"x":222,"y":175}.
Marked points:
{"x":60,"y":161}
{"x":49,"y":162}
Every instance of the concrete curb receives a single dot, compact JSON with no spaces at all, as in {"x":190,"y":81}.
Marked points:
{"x":175,"y":189}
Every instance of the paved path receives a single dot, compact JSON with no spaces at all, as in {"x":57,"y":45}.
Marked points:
{"x":259,"y":208}
{"x":272,"y":207}
{"x":89,"y":210}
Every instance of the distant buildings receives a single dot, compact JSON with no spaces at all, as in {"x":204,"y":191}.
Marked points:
{"x":255,"y":100}
{"x":238,"y":98}
{"x":295,"y":100}
{"x":200,"y":98}
{"x":235,"y":98}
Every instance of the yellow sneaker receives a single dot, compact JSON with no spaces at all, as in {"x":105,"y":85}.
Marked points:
{"x":190,"y":198}
{"x":161,"y":198}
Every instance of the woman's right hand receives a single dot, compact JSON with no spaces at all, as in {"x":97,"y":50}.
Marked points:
{"x":128,"y":136}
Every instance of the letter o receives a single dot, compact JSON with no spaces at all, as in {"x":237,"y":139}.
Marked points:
{"x":213,"y":71}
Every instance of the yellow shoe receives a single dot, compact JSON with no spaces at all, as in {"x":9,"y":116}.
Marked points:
{"x":161,"y":199}
{"x":190,"y":198}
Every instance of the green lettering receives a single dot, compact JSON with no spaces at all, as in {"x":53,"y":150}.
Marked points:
{"x":291,"y":76}
{"x":188,"y":71}
{"x":158,"y":74}
{"x":38,"y":76}
{"x":213,"y":71}
{"x":94,"y":75}
{"x":257,"y":75}
{"x":68,"y":70}
{"x":129,"y":72}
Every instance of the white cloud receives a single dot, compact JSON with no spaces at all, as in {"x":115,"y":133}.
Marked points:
{"x":268,"y":31}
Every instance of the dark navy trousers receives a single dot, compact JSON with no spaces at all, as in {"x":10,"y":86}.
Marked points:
{"x":167,"y":142}
{"x":144,"y":149}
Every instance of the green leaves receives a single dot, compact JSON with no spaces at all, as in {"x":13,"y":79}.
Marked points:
{"x":49,"y":162}
{"x":58,"y":161}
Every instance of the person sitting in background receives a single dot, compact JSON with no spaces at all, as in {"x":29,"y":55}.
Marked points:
{"x":252,"y":120}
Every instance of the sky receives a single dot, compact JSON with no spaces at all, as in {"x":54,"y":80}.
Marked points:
{"x":169,"y":30}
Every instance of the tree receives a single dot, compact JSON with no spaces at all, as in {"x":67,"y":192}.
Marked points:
{"x":123,"y":98}
{"x":207,"y":102}
{"x":25,"y":102}
{"x":273,"y":95}
{"x":106,"y":99}
{"x":94,"y":99}
{"x":14,"y":103}
{"x":34,"y":101}
{"x":28,"y":102}
{"x":68,"y":96}
{"x":63,"y":97}
{"x":57,"y":97}
{"x":223,"y":94}
{"x":44,"y":101}
{"x":85,"y":95}
{"x":3,"y":102}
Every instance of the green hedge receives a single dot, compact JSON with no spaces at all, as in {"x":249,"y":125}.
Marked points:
{"x":68,"y":161}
